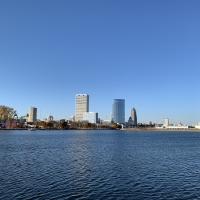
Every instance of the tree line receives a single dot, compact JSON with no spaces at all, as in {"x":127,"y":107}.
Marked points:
{"x":7,"y":113}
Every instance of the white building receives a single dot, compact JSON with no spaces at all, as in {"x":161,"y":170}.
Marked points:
{"x":32,"y":114}
{"x":106,"y":122}
{"x":15,"y":116}
{"x":197,"y":126}
{"x":179,"y":127}
{"x":71,"y":118}
{"x":166,"y":125}
{"x":82,"y":106}
{"x":50,"y":118}
{"x":91,"y":117}
{"x":166,"y":122}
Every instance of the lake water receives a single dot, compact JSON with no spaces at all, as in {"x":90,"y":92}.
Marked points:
{"x":101,"y":164}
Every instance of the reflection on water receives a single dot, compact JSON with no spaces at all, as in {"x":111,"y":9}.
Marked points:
{"x":99,"y":165}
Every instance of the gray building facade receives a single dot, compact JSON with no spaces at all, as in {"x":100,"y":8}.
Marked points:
{"x":118,"y":111}
{"x":133,"y":116}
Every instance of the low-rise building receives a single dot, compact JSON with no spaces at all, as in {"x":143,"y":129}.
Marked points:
{"x":197,"y":126}
{"x":106,"y":122}
{"x":91,"y":117}
{"x":50,"y":118}
{"x":177,"y":127}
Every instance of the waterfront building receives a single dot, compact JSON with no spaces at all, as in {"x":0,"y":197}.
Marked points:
{"x":133,"y":116}
{"x":168,"y":126}
{"x":177,"y":127}
{"x":50,"y":118}
{"x":82,"y":106}
{"x":12,"y":123}
{"x":15,"y":116}
{"x":179,"y":124}
{"x":23,"y":118}
{"x":27,"y":117}
{"x":130,"y":121}
{"x":106,"y":122}
{"x":71,"y":118}
{"x":32,"y":114}
{"x":118,"y":111}
{"x":197,"y":126}
{"x":91,"y":117}
{"x":111,"y":117}
{"x":166,"y":122}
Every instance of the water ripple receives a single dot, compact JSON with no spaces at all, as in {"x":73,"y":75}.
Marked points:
{"x":99,"y":165}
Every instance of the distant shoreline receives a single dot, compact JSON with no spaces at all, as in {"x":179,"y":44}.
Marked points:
{"x":154,"y":129}
{"x":23,"y":129}
{"x":124,"y":129}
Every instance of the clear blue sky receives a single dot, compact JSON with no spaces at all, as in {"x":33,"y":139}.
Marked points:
{"x":144,"y":51}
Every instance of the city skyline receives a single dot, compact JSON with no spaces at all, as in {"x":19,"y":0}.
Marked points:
{"x":85,"y":109}
{"x":146,"y":52}
{"x":83,"y":113}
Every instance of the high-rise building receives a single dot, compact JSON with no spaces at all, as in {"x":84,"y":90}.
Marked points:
{"x":32,"y":114}
{"x":91,"y":117}
{"x":82,"y":106}
{"x":118,"y":111}
{"x":133,"y":116}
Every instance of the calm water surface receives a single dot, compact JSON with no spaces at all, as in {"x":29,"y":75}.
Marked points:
{"x":99,"y":165}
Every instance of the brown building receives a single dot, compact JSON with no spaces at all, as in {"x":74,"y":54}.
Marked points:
{"x":13,"y":123}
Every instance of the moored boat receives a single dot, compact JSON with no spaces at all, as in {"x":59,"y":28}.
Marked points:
{"x":31,"y":129}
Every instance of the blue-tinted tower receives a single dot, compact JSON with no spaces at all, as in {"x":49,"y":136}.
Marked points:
{"x":118,"y":111}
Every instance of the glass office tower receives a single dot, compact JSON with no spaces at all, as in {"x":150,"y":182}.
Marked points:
{"x":118,"y":111}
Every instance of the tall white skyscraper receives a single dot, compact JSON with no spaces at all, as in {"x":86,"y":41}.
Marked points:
{"x":133,"y":116}
{"x":82,"y":106}
{"x":32,"y":114}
